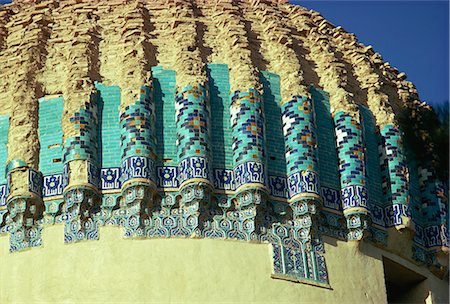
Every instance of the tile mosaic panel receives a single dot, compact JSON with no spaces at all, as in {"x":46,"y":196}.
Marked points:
{"x":137,"y":167}
{"x":110,"y":178}
{"x":3,"y":195}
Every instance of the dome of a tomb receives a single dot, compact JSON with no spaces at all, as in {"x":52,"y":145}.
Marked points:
{"x":257,"y":122}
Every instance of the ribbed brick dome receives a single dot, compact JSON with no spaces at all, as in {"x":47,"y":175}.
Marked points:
{"x":251,"y":120}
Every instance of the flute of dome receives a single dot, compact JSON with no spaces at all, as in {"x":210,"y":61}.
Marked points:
{"x":435,"y":229}
{"x":24,"y":200}
{"x":348,"y":137}
{"x":297,"y":113}
{"x":396,"y":186}
{"x":228,"y":38}
{"x":301,"y":157}
{"x":192,"y":112}
{"x":194,"y":176}
{"x":81,"y":174}
{"x":231,"y":46}
{"x":137,"y":117}
{"x":138,"y":143}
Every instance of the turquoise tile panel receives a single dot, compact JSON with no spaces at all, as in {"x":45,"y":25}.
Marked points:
{"x":109,"y":127}
{"x":164,"y":91}
{"x":50,"y":135}
{"x":4,"y":128}
{"x":373,"y":169}
{"x":276,"y":158}
{"x":326,"y":140}
{"x":219,"y":94}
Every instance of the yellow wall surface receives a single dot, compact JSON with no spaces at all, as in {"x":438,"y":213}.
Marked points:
{"x":117,"y":270}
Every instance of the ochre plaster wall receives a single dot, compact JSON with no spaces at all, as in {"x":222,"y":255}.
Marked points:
{"x":117,"y":270}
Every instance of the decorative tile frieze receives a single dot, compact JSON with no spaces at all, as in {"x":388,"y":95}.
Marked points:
{"x":193,"y":168}
{"x":110,"y":179}
{"x":278,"y":186}
{"x":167,"y":177}
{"x":250,"y":172}
{"x":303,"y":182}
{"x":3,"y":195}
{"x":224,"y":179}
{"x":331,"y":198}
{"x":137,"y":167}
{"x":394,"y":214}
{"x":53,"y":185}
{"x":354,"y":196}
{"x":35,"y":182}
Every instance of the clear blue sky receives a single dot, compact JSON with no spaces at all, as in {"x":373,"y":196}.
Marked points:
{"x":412,"y":36}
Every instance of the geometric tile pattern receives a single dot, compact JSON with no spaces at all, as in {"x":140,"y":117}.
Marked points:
{"x":247,"y":122}
{"x":299,"y":132}
{"x":137,"y":139}
{"x":137,"y":134}
{"x":110,"y":178}
{"x":351,"y":160}
{"x":53,"y":185}
{"x":192,"y":119}
{"x":300,"y":146}
{"x":435,"y":210}
{"x":350,"y":149}
{"x":84,"y":145}
{"x":35,"y":182}
{"x":396,"y":182}
{"x":3,"y":195}
{"x":299,"y":264}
